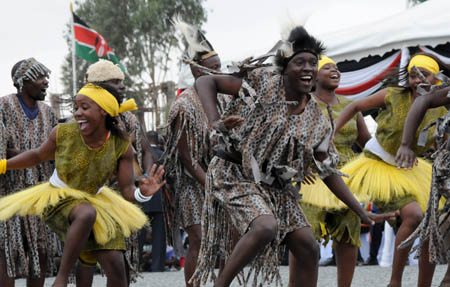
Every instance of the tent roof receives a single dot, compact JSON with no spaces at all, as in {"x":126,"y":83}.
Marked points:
{"x":424,"y":24}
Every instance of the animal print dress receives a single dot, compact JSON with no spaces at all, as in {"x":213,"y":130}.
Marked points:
{"x":22,"y":237}
{"x":275,"y":147}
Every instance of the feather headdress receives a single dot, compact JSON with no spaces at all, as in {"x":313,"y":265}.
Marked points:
{"x":199,"y":48}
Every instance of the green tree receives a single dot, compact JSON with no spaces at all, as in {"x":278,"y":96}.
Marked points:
{"x":142,"y":36}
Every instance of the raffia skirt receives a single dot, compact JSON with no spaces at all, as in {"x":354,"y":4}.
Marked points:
{"x":116,"y":217}
{"x":387,"y":186}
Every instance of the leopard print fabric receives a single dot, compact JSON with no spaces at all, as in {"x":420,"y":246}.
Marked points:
{"x":430,"y":229}
{"x":274,"y":138}
{"x":183,"y":203}
{"x":22,"y":237}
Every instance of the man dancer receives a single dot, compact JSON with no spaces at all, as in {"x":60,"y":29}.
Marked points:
{"x":27,"y":246}
{"x":188,"y":151}
{"x":102,"y":73}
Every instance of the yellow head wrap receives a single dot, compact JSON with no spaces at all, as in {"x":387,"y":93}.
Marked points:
{"x":323,"y":61}
{"x":106,"y":100}
{"x":423,"y":61}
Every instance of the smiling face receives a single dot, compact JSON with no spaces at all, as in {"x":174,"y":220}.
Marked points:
{"x":88,"y":115}
{"x":329,"y":76}
{"x":414,"y":80}
{"x":301,"y":72}
{"x":36,"y":90}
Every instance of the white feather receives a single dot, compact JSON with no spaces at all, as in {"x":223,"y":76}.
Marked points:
{"x":190,"y":33}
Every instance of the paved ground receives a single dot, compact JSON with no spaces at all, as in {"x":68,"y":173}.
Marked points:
{"x":373,"y":276}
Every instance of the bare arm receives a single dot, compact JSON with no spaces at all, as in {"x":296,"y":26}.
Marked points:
{"x":35,"y":156}
{"x":374,"y":101}
{"x":207,"y":88}
{"x":197,"y":172}
{"x":148,"y":186}
{"x":363,"y":132}
{"x":405,"y":156}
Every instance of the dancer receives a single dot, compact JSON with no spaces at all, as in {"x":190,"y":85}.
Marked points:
{"x":328,"y":216}
{"x":188,"y":150}
{"x":75,"y":201}
{"x":103,"y":73}
{"x":283,"y":134}
{"x":27,"y":246}
{"x":375,"y":175}
{"x":434,"y":245}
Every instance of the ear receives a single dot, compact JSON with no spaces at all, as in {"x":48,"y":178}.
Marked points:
{"x":103,"y":112}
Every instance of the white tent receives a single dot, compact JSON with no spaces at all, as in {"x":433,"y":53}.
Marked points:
{"x":424,"y":24}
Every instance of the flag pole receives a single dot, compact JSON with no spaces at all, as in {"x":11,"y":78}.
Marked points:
{"x":74,"y":72}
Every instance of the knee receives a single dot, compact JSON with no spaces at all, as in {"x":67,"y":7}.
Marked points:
{"x":266,"y":229}
{"x":85,"y":213}
{"x":310,"y":249}
{"x":413,"y":219}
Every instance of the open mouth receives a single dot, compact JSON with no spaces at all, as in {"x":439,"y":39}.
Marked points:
{"x":44,"y":91}
{"x":306,"y":79}
{"x":334,"y":77}
{"x":83,"y":124}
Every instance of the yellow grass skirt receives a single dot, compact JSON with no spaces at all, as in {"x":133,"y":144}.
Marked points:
{"x":115,"y":215}
{"x":319,"y":195}
{"x":383,"y":183}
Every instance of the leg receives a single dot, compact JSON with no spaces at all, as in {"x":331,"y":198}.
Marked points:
{"x":346,"y":255}
{"x":304,"y":262}
{"x":39,"y":282}
{"x":195,"y":235}
{"x":446,"y":280}
{"x":81,"y":218}
{"x":411,"y":215}
{"x":112,"y":261}
{"x":426,"y":268}
{"x":261,"y":232}
{"x":4,"y":278}
{"x":84,"y":276}
{"x":159,"y":242}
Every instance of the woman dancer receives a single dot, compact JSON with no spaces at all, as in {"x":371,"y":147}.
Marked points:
{"x":375,"y":175}
{"x":433,"y":230}
{"x":74,"y":202}
{"x":283,"y":134}
{"x":328,"y":216}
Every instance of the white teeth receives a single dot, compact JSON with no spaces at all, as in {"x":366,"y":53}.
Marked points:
{"x":82,"y":121}
{"x":306,"y":78}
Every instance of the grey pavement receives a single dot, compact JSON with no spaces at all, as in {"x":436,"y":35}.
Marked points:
{"x":367,"y":276}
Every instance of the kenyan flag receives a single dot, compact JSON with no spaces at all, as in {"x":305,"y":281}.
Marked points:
{"x":90,"y":45}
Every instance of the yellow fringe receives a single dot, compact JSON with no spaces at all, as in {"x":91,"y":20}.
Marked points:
{"x":319,"y":195}
{"x":113,"y":211}
{"x":379,"y":181}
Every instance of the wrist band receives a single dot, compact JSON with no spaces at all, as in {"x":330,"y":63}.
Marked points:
{"x":140,"y":197}
{"x":2,"y":166}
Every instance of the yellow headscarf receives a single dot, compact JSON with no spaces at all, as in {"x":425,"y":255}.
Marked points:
{"x":423,"y":61}
{"x":323,"y":61}
{"x":106,"y":100}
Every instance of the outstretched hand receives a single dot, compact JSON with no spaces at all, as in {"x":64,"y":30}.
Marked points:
{"x":309,"y":178}
{"x":150,"y":184}
{"x":405,"y":158}
{"x":371,"y":218}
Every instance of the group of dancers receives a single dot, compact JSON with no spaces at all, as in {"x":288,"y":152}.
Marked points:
{"x":255,"y":161}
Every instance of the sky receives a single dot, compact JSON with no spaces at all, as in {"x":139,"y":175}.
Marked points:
{"x":236,"y":28}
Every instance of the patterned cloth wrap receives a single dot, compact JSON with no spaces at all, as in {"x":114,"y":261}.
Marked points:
{"x":22,"y":238}
{"x":275,"y":146}
{"x":184,"y":201}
